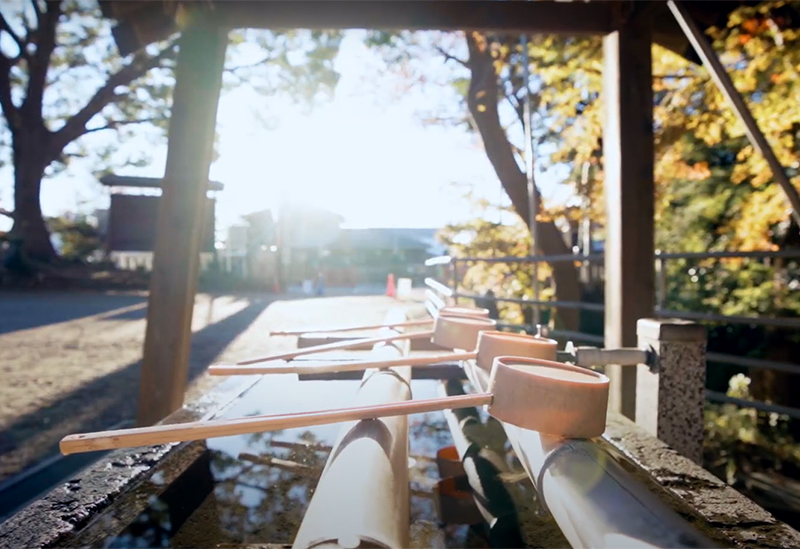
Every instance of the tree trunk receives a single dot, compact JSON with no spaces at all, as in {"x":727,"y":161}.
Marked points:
{"x":28,"y":220}
{"x":482,"y":101}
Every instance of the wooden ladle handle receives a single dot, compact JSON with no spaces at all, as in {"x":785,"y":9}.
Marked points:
{"x":338,"y":346}
{"x":406,"y":324}
{"x":333,"y":367}
{"x":163,"y":434}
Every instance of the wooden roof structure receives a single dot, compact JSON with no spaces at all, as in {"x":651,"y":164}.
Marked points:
{"x":629,"y":28}
{"x":137,"y":182}
{"x":142,"y":22}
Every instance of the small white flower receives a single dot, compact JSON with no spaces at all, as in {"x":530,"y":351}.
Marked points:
{"x":739,"y":386}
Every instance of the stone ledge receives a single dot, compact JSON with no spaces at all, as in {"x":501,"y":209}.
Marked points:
{"x":721,"y":512}
{"x":670,"y":329}
{"x":54,"y":518}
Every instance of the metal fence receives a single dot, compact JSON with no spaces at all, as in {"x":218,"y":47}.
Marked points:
{"x":443,"y":291}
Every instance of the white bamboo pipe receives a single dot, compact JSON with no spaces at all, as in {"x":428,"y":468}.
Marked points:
{"x":378,"y":505}
{"x":448,"y":331}
{"x":490,"y":344}
{"x":478,"y":312}
{"x":550,"y":397}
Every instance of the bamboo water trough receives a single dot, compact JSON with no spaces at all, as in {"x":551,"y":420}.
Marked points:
{"x":488,"y":345}
{"x":454,"y":332}
{"x":551,"y":412}
{"x":559,"y":399}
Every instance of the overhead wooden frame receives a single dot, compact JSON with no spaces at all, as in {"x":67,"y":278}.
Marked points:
{"x":141,"y":23}
{"x":198,"y":74}
{"x":447,"y":15}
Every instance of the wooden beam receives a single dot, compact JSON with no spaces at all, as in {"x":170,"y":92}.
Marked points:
{"x":198,"y":78}
{"x":628,"y":163}
{"x":136,"y":181}
{"x":449,"y":15}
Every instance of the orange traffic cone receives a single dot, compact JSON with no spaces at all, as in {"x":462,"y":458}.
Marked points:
{"x":390,"y":290}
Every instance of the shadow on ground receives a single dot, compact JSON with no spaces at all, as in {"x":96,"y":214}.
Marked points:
{"x":108,"y":400}
{"x":23,"y":311}
{"x":135,"y":314}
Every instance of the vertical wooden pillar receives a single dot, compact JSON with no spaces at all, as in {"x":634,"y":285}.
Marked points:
{"x":628,"y":163}
{"x":198,"y":78}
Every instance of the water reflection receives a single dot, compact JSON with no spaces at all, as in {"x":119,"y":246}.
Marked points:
{"x":262,"y":494}
{"x":167,"y":512}
{"x":255,"y":489}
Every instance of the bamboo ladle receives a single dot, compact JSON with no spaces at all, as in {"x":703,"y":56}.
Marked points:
{"x":541,"y":395}
{"x":452,"y":332}
{"x":489,"y":344}
{"x":444,"y":311}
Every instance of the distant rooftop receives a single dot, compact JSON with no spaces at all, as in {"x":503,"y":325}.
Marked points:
{"x":380,"y":238}
{"x":375,"y":239}
{"x":112,"y":180}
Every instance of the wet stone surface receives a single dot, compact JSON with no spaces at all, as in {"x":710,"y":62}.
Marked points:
{"x":254,"y":490}
{"x":719,"y":511}
{"x":248,"y":490}
{"x":123,"y":475}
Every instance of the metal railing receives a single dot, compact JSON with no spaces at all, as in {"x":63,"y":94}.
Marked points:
{"x":452,"y":292}
{"x":722,"y":398}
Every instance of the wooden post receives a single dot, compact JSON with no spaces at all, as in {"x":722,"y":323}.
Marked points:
{"x":671,"y":395}
{"x":628,"y":163}
{"x":198,"y":78}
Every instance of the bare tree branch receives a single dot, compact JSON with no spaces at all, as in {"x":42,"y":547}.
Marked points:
{"x":678,"y":76}
{"x":10,"y":112}
{"x":76,"y":125}
{"x":264,"y":61}
{"x":37,"y":10}
{"x":7,"y":213}
{"x":40,"y":62}
{"x":114,"y":124}
{"x":21,"y":44}
{"x":30,"y":23}
{"x":518,"y":107}
{"x":450,"y":57}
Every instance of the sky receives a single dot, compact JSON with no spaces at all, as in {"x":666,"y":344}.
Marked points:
{"x":359,"y":155}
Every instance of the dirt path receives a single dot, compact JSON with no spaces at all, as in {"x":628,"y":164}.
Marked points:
{"x":70,"y":362}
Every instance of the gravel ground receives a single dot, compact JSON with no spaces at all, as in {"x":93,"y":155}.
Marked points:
{"x":70,"y":361}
